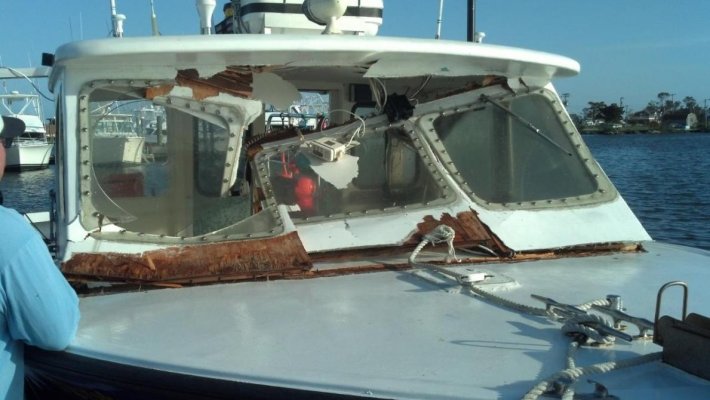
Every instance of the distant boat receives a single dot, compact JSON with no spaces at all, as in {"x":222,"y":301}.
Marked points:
{"x":115,"y":139}
{"x":31,"y":150}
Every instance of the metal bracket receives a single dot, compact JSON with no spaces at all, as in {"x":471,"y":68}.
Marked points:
{"x":686,"y":342}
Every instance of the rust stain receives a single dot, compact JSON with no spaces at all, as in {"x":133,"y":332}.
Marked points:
{"x":469,"y":230}
{"x":206,"y":262}
{"x":156,"y":91}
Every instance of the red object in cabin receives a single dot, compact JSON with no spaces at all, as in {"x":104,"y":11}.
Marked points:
{"x":305,"y":190}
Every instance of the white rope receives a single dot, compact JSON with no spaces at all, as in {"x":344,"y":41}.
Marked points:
{"x":573,"y":374}
{"x":598,"y":302}
{"x":577,"y":325}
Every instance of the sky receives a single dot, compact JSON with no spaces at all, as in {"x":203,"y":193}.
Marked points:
{"x":629,"y":50}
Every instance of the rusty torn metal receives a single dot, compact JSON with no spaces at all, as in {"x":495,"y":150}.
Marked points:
{"x":185,"y":264}
{"x":469,"y":231}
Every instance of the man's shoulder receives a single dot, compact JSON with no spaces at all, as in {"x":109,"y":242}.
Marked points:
{"x":16,"y":231}
{"x":10,"y":218}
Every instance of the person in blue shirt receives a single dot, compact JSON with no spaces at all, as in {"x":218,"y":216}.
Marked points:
{"x":37,"y":305}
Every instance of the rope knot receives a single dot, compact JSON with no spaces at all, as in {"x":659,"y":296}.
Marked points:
{"x":441,"y":234}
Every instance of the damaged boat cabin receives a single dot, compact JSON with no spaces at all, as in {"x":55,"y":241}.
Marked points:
{"x":414,"y":135}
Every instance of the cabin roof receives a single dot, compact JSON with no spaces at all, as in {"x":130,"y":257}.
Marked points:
{"x":393,"y":57}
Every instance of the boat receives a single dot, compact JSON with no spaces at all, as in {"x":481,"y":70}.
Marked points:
{"x":116,"y":139}
{"x":31,"y":150}
{"x":457,"y":241}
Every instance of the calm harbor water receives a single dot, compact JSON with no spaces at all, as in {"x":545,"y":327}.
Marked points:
{"x":665,"y":179}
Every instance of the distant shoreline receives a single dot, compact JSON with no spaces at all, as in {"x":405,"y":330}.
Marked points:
{"x":634,"y":129}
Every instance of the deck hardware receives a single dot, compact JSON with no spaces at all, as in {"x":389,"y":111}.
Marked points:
{"x":644,"y":326}
{"x":658,"y":339}
{"x":686,"y":342}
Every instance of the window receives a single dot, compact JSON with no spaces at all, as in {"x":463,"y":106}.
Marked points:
{"x":164,"y":169}
{"x":380,"y":171}
{"x":503,"y":160}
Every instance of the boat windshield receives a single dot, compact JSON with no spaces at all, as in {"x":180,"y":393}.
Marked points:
{"x":177,"y":175}
{"x":379,"y":171}
{"x":519,"y":151}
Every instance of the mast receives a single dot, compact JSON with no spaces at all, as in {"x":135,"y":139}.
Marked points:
{"x":153,"y":20}
{"x":472,"y":35}
{"x":471,"y":21}
{"x":439,"y":20}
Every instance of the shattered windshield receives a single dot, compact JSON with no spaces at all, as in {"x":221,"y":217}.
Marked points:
{"x":342,"y":175}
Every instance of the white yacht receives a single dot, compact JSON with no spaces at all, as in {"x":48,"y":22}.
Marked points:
{"x":31,"y":150}
{"x":302,"y":263}
{"x":115,"y":139}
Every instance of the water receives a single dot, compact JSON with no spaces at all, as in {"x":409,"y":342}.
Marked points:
{"x":28,"y":191}
{"x":664,"y":178}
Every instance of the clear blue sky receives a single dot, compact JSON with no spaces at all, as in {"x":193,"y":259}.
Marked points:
{"x":628,"y":48}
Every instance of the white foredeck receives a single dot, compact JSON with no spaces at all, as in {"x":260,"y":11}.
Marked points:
{"x":394,"y":334}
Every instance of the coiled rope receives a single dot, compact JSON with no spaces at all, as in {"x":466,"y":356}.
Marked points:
{"x":573,"y":374}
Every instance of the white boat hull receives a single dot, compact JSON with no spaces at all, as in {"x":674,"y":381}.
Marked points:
{"x":118,"y":149}
{"x":29,"y":156}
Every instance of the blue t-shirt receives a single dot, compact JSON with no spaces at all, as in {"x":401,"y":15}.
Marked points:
{"x":37,"y":305}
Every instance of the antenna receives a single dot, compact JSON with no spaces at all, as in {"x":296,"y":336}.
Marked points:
{"x":471,"y":21}
{"x":439,"y":20}
{"x":117,"y":20}
{"x":153,"y":20}
{"x":472,"y":35}
{"x":205,"y":8}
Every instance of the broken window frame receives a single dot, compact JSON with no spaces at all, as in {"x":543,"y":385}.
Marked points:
{"x":375,"y":126}
{"x":269,"y":219}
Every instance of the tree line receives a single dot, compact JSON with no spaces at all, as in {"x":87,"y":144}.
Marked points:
{"x":664,"y":110}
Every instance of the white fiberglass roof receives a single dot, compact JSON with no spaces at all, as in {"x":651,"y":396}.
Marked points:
{"x":395,"y":56}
